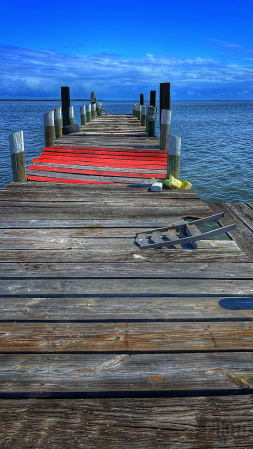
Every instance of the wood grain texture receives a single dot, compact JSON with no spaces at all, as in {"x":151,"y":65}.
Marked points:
{"x":166,"y":423}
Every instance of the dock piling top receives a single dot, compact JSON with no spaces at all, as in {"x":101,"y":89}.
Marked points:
{"x":17,"y":151}
{"x":57,"y":122}
{"x":49,"y":129}
{"x":153,"y":98}
{"x":164,"y":97}
{"x":65,"y":102}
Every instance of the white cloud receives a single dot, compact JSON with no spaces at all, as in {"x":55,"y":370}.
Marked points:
{"x":190,"y":93}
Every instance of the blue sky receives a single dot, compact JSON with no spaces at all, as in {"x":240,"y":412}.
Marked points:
{"x":119,"y":49}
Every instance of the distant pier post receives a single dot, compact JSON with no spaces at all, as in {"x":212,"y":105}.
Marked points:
{"x":17,"y":151}
{"x":57,"y":122}
{"x":49,"y":129}
{"x":88,"y":110}
{"x":143,"y":115}
{"x":99,"y":109}
{"x":71,"y":115}
{"x":65,"y":104}
{"x":83,"y":114}
{"x":173,"y":159}
{"x":141,"y":99}
{"x":151,"y":116}
{"x":153,"y":98}
{"x":164,"y":97}
{"x":165,"y":128}
{"x":93,"y":104}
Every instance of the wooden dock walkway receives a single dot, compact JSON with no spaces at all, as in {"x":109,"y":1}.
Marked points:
{"x":102,"y":344}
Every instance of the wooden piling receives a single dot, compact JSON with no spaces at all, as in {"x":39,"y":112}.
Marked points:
{"x":57,"y":122}
{"x":71,"y":115}
{"x":99,"y":108}
{"x":138,"y":109}
{"x":143,"y":115}
{"x":83,"y":114}
{"x":173,"y":158}
{"x":141,"y":99}
{"x":164,"y":97}
{"x":153,"y":98}
{"x":93,"y":110}
{"x":151,"y":116}
{"x":49,"y":129}
{"x":88,"y":111}
{"x":16,"y":144}
{"x":65,"y":103}
{"x":93,"y":98}
{"x":165,"y":128}
{"x":134,"y":109}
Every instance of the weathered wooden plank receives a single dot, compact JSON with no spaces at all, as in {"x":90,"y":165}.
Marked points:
{"x":46,"y":307}
{"x":125,"y":255}
{"x":243,"y":212}
{"x":242,"y":235}
{"x":126,"y":337}
{"x":129,"y":269}
{"x":166,"y":423}
{"x":134,"y":170}
{"x":126,"y":286}
{"x":166,"y":203}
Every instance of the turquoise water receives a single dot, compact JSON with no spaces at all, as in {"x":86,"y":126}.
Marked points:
{"x":217,"y":141}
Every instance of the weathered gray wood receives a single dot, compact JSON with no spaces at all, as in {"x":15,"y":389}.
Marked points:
{"x":168,"y":423}
{"x":49,"y":129}
{"x":126,"y":286}
{"x":46,"y":307}
{"x":243,"y":212}
{"x":127,"y":336}
{"x":16,"y":144}
{"x":125,"y":255}
{"x":152,"y":170}
{"x":242,"y":235}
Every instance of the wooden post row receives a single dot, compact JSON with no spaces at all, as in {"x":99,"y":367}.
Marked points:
{"x":65,"y":103}
{"x":173,"y":156}
{"x":17,"y":151}
{"x":71,"y":115}
{"x":57,"y":122}
{"x":151,"y":117}
{"x":165,"y":128}
{"x":88,"y":110}
{"x":164,"y":97}
{"x":143,"y":115}
{"x":49,"y":129}
{"x":83,"y":114}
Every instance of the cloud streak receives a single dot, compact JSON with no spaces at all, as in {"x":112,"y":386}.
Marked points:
{"x":38,"y":74}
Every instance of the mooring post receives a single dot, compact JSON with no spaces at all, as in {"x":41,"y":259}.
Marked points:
{"x":88,"y":110}
{"x":138,"y":109}
{"x":93,"y":110}
{"x":164,"y":97}
{"x":153,"y":98}
{"x":141,"y":99}
{"x":165,"y":128}
{"x":173,"y":158}
{"x":65,"y":104}
{"x":17,"y":151}
{"x":151,"y":116}
{"x":71,"y":115}
{"x":99,"y":108}
{"x":143,"y":115}
{"x":49,"y":129}
{"x":57,"y":122}
{"x":134,"y":109}
{"x":83,"y":114}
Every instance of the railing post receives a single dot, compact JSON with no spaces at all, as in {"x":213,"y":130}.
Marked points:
{"x":57,"y":122}
{"x":143,"y":115}
{"x":83,"y":114}
{"x":71,"y":115}
{"x":165,"y":128}
{"x":65,"y":104}
{"x":151,"y":116}
{"x":173,"y":159}
{"x":49,"y":129}
{"x":164,"y":97}
{"x":88,"y":110}
{"x":17,"y":151}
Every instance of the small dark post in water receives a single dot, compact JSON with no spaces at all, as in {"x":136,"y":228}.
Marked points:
{"x":57,"y":122}
{"x":71,"y":115}
{"x":141,"y":99}
{"x":173,"y":159}
{"x":16,"y":144}
{"x":49,"y":129}
{"x":151,"y":116}
{"x":65,"y":103}
{"x":153,"y":98}
{"x":83,"y":115}
{"x":164,"y":97}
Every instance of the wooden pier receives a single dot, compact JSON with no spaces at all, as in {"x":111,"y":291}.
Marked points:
{"x":102,"y":344}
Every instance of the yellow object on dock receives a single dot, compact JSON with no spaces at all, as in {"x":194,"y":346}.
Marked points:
{"x":174,"y":183}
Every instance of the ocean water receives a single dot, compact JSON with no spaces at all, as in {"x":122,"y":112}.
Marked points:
{"x":217,"y":141}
